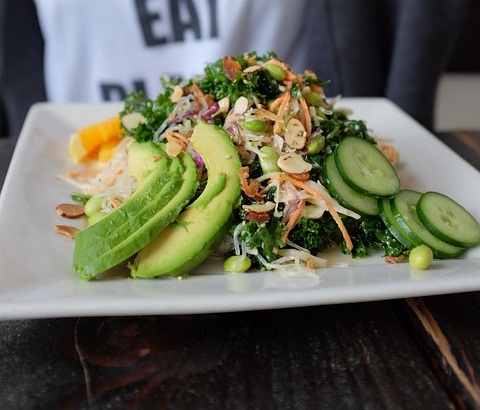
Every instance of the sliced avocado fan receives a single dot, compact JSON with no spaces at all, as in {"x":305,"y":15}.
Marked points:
{"x":165,"y":186}
{"x":188,"y":241}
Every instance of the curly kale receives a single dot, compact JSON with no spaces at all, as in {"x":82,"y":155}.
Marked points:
{"x":257,"y":83}
{"x":315,"y":235}
{"x":154,"y":111}
{"x":367,"y":233}
{"x":266,"y":237}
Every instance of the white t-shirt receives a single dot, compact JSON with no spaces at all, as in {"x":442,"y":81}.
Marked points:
{"x":102,"y":49}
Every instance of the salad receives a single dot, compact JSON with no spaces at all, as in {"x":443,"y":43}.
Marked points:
{"x":310,"y":177}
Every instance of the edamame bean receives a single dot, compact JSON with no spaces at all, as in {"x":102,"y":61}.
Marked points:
{"x":313,"y":98}
{"x":237,"y":264}
{"x":255,"y":125}
{"x":268,"y":160}
{"x":93,"y":205}
{"x":420,"y":257}
{"x":94,"y":218}
{"x":315,"y":145}
{"x":277,"y":72}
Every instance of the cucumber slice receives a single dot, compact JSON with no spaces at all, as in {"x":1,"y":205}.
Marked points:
{"x":403,"y":208}
{"x":392,"y":225}
{"x":343,"y":193}
{"x":448,"y":220}
{"x":365,"y":169}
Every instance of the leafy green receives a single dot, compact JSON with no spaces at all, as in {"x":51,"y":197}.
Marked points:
{"x":259,"y":84}
{"x":80,"y":198}
{"x":155,"y":111}
{"x":265,"y":237}
{"x":367,"y":233}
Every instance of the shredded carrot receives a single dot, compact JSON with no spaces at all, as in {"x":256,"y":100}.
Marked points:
{"x":331,"y":209}
{"x":291,"y":76}
{"x":293,"y":220}
{"x":73,"y":174}
{"x":390,"y":152}
{"x":306,"y":113}
{"x":317,"y":88}
{"x":283,"y":106}
{"x":276,"y":103}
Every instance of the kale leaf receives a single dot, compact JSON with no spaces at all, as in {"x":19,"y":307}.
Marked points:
{"x":266,"y":237}
{"x":259,"y":84}
{"x":367,"y":233}
{"x":155,"y":111}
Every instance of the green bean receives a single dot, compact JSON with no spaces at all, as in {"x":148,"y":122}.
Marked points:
{"x":420,"y":257}
{"x":237,"y":264}
{"x":277,"y":72}
{"x":268,"y":161}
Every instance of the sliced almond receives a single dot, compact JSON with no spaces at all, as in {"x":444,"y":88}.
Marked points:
{"x":241,"y":105}
{"x":132,"y":120}
{"x":295,"y":134}
{"x":260,"y":208}
{"x":293,"y":163}
{"x":176,"y":94}
{"x":223,"y":105}
{"x":263,"y":113}
{"x":70,"y":211}
{"x":66,"y":230}
{"x":252,"y":69}
{"x":173,"y":148}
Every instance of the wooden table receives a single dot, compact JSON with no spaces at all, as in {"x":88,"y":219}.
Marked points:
{"x":420,"y":353}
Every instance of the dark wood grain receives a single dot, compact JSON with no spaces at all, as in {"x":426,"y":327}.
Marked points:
{"x":447,"y":329}
{"x":334,"y":357}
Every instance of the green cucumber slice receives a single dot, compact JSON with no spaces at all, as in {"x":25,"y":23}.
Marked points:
{"x":403,"y":208}
{"x":448,"y":220}
{"x":365,"y":169}
{"x":392,"y":225}
{"x":345,"y":195}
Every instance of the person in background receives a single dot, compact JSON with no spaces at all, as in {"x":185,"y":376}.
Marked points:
{"x":101,"y":50}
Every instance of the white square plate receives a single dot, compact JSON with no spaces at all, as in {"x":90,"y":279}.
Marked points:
{"x":36,"y":278}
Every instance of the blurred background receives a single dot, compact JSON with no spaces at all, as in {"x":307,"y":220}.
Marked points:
{"x":458,"y":98}
{"x":457,"y":104}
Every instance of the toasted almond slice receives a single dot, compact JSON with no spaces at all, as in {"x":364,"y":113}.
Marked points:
{"x":295,"y":134}
{"x":176,"y":94}
{"x":260,"y":208}
{"x":70,"y":211}
{"x":252,"y":69}
{"x":263,"y":113}
{"x":173,"y":148}
{"x":293,"y":163}
{"x":66,"y":230}
{"x":241,"y":105}
{"x":132,"y":120}
{"x":223,"y":105}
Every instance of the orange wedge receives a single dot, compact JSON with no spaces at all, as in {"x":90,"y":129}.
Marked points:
{"x":107,"y":149}
{"x":87,"y":140}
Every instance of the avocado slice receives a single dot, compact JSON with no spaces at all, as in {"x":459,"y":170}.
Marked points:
{"x":165,"y":186}
{"x":188,"y":241}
